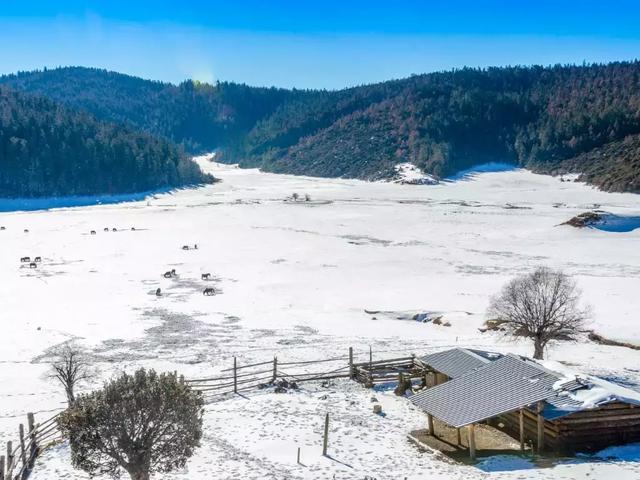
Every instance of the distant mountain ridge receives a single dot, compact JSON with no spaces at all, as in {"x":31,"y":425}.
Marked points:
{"x":549,"y":119}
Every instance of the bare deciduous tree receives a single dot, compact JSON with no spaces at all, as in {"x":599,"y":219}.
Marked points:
{"x":70,"y":367}
{"x":543,"y":305}
{"x":295,"y":196}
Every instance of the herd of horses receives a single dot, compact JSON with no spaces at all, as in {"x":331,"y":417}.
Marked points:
{"x":107,"y":229}
{"x":208,"y":291}
{"x":32,"y":264}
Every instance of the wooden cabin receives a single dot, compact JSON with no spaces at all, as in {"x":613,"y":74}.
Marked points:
{"x":539,"y":403}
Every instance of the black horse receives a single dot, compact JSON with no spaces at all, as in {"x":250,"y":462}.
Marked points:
{"x":209,"y":291}
{"x":37,"y":259}
{"x":206,"y":276}
{"x":158,"y":292}
{"x":25,"y":259}
{"x":33,"y":265}
{"x":93,"y":232}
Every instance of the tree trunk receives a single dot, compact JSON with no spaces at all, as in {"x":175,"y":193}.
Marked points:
{"x":538,"y":349}
{"x":139,"y":475}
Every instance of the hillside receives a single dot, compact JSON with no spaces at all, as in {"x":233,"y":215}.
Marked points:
{"x":199,"y":116}
{"x":613,"y":167}
{"x":536,"y":117}
{"x":49,"y":150}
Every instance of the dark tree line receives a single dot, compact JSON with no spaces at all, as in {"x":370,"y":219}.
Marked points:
{"x":49,"y":150}
{"x":545,"y":118}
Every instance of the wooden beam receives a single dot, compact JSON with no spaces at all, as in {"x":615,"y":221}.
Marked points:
{"x":325,"y":441}
{"x":430,"y":422}
{"x":521,"y":415}
{"x":459,"y":437}
{"x":540,"y":427}
{"x":472,"y":441}
{"x":352,"y":373}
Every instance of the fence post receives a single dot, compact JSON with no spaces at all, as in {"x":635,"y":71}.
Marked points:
{"x":351,"y":370}
{"x":32,"y":434}
{"x":23,"y":453}
{"x":235,"y":376}
{"x":30,"y":421}
{"x":325,"y":440}
{"x":275,"y":369}
{"x":1,"y":467}
{"x":298,"y":461}
{"x":9,"y":459}
{"x":370,"y":358}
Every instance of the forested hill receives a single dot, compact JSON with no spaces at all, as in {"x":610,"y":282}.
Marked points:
{"x":48,"y":150}
{"x":545,"y":118}
{"x":199,"y":116}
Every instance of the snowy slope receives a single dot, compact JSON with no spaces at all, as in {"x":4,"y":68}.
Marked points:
{"x":296,"y":278}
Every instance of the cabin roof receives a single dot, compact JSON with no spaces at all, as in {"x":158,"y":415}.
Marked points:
{"x":512,"y":382}
{"x":458,"y":361}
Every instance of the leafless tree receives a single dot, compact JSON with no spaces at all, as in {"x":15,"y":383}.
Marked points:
{"x":543,"y":305}
{"x":295,"y":196}
{"x":70,"y":367}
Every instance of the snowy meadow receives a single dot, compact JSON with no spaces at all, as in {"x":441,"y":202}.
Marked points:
{"x":299,"y":279}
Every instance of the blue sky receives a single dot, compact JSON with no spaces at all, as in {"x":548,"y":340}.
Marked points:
{"x":329,"y":44}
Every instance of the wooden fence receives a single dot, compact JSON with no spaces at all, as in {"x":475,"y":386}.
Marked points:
{"x":21,"y":456}
{"x":242,"y":378}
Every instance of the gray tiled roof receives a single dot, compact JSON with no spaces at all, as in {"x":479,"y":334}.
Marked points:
{"x":458,"y":361}
{"x":501,"y":386}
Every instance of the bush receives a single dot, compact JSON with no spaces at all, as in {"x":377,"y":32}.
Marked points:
{"x":141,"y":423}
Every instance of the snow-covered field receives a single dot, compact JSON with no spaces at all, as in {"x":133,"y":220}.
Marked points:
{"x":296,"y":278}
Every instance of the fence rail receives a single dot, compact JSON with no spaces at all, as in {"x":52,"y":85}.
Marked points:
{"x":18,"y":461}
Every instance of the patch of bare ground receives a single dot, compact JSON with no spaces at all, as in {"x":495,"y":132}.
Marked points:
{"x":599,"y":339}
{"x":489,"y":441}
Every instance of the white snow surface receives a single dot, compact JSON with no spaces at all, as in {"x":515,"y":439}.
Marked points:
{"x":407,"y":172}
{"x":295,"y":279}
{"x":598,"y":391}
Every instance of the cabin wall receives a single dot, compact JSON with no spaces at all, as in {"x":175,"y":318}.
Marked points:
{"x":613,"y":424}
{"x":511,"y":422}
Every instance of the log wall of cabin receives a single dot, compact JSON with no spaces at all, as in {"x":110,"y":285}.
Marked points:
{"x":612,"y":424}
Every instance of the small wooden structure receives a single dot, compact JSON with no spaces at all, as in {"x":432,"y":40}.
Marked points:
{"x":532,"y":403}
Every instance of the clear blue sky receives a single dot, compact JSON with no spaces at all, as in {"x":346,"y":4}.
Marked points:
{"x":328,"y":44}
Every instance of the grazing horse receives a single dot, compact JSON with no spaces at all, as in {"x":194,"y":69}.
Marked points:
{"x":106,"y":229}
{"x":114,"y":229}
{"x":209,"y":291}
{"x":37,"y":259}
{"x":206,"y":276}
{"x":167,"y":275}
{"x":33,"y":265}
{"x":158,"y":292}
{"x":3,"y":228}
{"x":133,"y":229}
{"x":93,"y":232}
{"x":25,"y":259}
